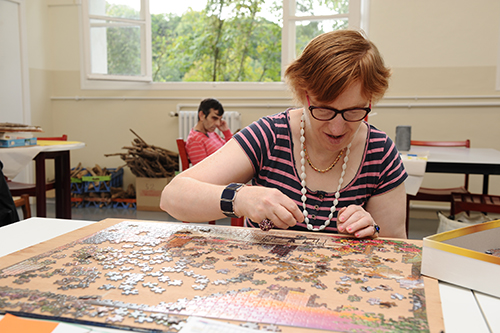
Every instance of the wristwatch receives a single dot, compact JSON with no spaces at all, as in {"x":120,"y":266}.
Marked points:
{"x":227,"y":199}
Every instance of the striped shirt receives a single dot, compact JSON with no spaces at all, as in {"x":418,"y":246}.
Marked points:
{"x":268,"y":144}
{"x":200,"y":145}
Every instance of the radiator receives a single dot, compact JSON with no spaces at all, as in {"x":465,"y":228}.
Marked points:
{"x":188,"y":119}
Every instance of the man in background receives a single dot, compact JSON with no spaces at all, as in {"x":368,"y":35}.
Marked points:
{"x":202,"y":140}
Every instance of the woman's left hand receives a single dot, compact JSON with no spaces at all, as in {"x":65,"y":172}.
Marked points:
{"x":356,"y":221}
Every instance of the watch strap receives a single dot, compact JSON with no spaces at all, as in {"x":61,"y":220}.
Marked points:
{"x":227,"y":199}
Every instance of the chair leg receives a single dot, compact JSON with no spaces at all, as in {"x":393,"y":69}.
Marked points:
{"x":24,"y":203}
{"x":237,"y":221}
{"x":26,"y":208}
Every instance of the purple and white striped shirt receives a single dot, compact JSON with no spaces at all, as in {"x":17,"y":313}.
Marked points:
{"x":269,"y":146}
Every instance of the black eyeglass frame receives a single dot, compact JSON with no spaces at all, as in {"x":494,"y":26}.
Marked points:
{"x":336,"y":112}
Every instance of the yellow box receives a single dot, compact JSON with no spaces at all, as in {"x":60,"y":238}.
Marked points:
{"x":459,"y":257}
{"x":148,"y":192}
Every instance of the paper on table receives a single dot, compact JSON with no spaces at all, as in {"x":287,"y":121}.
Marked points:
{"x":13,"y":324}
{"x":16,"y":159}
{"x":415,"y":164}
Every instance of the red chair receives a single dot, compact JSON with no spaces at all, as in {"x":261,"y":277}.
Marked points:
{"x":437,"y":194}
{"x":181,"y":146}
{"x":18,"y":189}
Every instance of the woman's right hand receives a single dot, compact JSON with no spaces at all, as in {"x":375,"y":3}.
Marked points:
{"x":258,"y":203}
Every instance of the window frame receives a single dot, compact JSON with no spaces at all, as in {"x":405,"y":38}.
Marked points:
{"x":358,"y":10}
{"x":144,"y":22}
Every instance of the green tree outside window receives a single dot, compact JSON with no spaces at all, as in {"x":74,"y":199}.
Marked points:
{"x":229,"y":40}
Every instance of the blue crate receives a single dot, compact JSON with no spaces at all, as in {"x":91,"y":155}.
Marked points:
{"x":103,"y":183}
{"x":97,"y":202}
{"x":76,"y":186}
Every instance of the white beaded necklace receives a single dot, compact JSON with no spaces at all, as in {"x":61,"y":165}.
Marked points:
{"x":303,"y":179}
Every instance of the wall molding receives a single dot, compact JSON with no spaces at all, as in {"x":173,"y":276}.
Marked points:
{"x":410,"y":102}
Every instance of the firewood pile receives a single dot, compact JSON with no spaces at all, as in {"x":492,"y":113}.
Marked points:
{"x":149,"y":161}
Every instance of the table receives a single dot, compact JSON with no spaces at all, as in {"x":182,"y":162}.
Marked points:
{"x":480,"y":161}
{"x":15,"y":159}
{"x":463,"y":310}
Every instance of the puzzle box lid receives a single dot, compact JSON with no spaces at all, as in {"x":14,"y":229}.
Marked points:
{"x":458,"y":257}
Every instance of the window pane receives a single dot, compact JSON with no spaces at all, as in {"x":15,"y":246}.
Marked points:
{"x":115,"y":49}
{"x":307,"y":30}
{"x":217,"y":41}
{"x":321,"y":7}
{"x":130,"y":9}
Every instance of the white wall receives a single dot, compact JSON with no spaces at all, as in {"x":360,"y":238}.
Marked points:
{"x":439,"y":51}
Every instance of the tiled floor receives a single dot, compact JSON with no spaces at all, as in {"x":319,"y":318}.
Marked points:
{"x":419,"y":228}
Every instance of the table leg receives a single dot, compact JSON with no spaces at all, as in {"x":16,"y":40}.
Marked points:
{"x":486,"y":179}
{"x":63,"y":185}
{"x":41,"y":195}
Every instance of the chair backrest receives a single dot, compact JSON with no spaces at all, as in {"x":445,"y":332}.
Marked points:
{"x":64,"y":137}
{"x":181,"y":145}
{"x":465,"y":143}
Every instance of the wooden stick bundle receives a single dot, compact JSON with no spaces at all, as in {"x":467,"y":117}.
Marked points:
{"x":149,"y":161}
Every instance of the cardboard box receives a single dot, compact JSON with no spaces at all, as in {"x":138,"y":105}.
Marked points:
{"x":148,"y":191}
{"x":18,"y":142}
{"x":459,"y":257}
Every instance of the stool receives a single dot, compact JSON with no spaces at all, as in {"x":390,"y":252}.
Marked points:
{"x":476,"y":202}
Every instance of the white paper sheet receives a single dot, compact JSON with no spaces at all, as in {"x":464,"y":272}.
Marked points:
{"x":415,"y":164}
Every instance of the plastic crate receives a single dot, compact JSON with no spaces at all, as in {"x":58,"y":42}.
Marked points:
{"x":97,"y":202}
{"x":76,"y":202}
{"x":124,"y":203}
{"x":103,"y":183}
{"x":76,"y":186}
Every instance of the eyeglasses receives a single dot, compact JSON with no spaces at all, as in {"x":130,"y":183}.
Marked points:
{"x":324,"y":113}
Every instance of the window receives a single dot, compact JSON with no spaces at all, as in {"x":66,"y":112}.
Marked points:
{"x":117,"y":39}
{"x":215,"y":43}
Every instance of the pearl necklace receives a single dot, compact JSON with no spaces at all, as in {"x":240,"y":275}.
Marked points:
{"x":303,"y":179}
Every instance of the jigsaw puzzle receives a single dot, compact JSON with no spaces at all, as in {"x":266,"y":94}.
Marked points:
{"x":149,"y":275}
